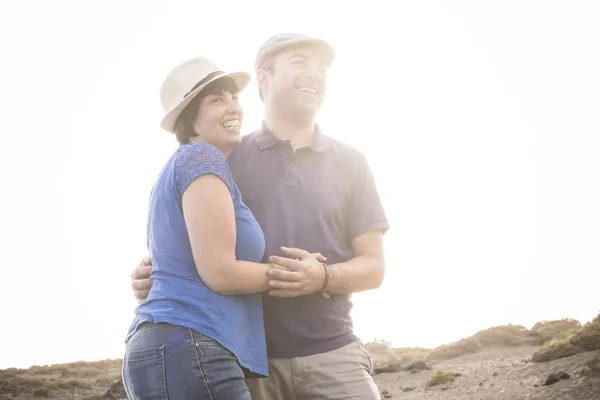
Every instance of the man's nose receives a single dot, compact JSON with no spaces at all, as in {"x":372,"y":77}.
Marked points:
{"x":316,"y":72}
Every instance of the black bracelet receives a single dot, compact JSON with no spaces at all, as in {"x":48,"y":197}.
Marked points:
{"x":323,"y":292}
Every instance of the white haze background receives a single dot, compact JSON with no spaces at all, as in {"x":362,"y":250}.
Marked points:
{"x":479,"y":119}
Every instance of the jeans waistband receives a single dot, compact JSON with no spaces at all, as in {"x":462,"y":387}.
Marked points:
{"x":147,"y":327}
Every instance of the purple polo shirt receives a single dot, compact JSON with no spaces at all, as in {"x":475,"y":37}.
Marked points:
{"x":317,"y":199}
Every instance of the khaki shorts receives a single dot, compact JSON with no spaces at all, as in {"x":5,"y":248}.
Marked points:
{"x":344,"y":373}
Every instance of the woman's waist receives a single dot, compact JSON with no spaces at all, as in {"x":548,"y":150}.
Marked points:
{"x":247,"y":345}
{"x":230,"y":324}
{"x":194,"y":296}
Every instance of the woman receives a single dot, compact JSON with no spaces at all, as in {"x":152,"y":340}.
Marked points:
{"x":200,"y":331}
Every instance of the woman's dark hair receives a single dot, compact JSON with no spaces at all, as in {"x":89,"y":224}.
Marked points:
{"x":184,"y":125}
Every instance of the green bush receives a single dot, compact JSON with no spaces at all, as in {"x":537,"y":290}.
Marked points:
{"x":555,"y":349}
{"x":441,"y":377}
{"x":587,"y":338}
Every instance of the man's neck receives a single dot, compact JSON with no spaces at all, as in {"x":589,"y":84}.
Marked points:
{"x":299,"y":133}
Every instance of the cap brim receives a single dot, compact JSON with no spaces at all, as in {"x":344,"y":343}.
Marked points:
{"x":320,"y":43}
{"x":240,"y":78}
{"x":328,"y":49}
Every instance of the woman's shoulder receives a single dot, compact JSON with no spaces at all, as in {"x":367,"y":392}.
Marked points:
{"x":195,"y":159}
{"x":203,"y":154}
{"x":199,"y":150}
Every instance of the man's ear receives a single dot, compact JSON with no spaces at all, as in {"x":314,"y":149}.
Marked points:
{"x":261,"y":78}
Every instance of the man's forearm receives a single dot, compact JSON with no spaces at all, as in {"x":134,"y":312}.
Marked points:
{"x":356,"y":275}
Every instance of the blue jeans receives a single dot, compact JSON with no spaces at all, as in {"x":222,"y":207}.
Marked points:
{"x":170,"y":362}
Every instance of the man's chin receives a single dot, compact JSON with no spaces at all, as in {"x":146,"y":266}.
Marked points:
{"x":307,"y":109}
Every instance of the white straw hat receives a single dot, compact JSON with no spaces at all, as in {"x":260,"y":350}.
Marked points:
{"x":185,"y":81}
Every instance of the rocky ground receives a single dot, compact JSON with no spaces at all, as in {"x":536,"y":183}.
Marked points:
{"x":500,"y":373}
{"x":495,"y":364}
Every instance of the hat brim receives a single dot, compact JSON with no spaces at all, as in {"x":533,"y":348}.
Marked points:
{"x":240,"y":78}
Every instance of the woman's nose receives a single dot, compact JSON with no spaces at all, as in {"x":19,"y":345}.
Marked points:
{"x":234,"y":107}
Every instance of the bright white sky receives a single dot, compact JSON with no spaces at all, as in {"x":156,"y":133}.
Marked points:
{"x":480,"y":121}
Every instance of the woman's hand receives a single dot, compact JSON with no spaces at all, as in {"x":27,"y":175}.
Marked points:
{"x":300,"y":274}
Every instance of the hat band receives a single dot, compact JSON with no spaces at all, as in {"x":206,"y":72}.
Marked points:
{"x":203,"y":81}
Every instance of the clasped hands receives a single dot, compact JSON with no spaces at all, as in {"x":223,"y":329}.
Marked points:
{"x":300,"y":274}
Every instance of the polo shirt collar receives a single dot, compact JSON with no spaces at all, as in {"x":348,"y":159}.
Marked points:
{"x":265,"y":139}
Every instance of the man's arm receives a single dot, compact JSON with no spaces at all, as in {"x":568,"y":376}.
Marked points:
{"x":363,"y":272}
{"x":366,"y":225}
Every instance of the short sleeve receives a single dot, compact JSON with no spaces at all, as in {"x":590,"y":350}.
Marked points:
{"x":197,"y":159}
{"x":366,"y":211}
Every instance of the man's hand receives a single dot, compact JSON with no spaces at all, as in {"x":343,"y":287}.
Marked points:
{"x":140,"y":279}
{"x":299,"y":275}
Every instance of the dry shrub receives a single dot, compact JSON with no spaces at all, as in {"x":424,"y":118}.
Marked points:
{"x":387,"y":359}
{"x":78,"y":364}
{"x":33,"y":381}
{"x":507,"y":335}
{"x":72,"y":384}
{"x":9,"y":385}
{"x":32,"y":386}
{"x":561,"y":328}
{"x":107,"y":379}
{"x":60,"y":370}
{"x":593,"y":365}
{"x":109,"y":364}
{"x":65,"y":373}
{"x":408,"y":355}
{"x":39,"y":370}
{"x":60,"y":381}
{"x":90,"y":372}
{"x":375,"y":348}
{"x":11,"y":371}
{"x":453,"y":350}
{"x":41,"y":393}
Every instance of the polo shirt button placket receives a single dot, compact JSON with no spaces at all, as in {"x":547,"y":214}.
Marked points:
{"x":291,"y":173}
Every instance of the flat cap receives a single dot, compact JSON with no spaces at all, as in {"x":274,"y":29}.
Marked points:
{"x":283,"y":41}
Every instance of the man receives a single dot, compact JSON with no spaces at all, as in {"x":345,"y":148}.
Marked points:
{"x":307,"y":191}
